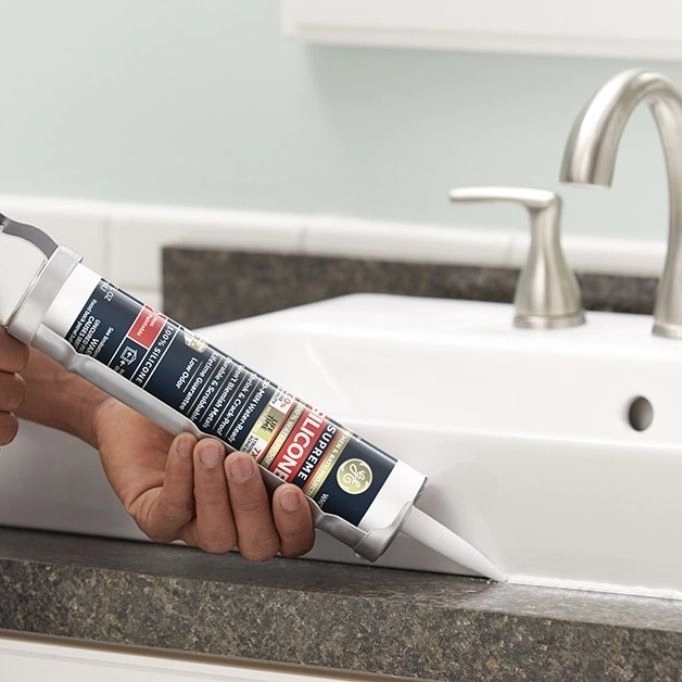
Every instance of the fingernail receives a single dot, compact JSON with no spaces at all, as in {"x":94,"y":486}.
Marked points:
{"x":289,"y":500}
{"x":211,"y":454}
{"x":183,"y":447}
{"x":241,"y":469}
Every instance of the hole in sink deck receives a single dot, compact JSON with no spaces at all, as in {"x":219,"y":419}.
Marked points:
{"x":640,"y":413}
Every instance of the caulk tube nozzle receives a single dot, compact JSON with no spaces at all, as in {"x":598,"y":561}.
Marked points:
{"x":23,"y":252}
{"x":33,"y":268}
{"x":34,"y":235}
{"x":425,"y":529}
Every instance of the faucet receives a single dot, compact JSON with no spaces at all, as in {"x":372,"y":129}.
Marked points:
{"x":590,"y":155}
{"x":547,"y":293}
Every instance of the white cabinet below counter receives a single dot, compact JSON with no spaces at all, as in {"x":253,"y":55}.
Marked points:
{"x":24,"y":659}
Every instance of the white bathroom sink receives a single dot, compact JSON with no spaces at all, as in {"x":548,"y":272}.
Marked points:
{"x":528,"y":438}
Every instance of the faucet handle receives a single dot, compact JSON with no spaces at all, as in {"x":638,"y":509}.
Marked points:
{"x":547,"y":293}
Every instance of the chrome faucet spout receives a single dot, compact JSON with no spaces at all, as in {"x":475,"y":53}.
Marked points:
{"x":590,"y":157}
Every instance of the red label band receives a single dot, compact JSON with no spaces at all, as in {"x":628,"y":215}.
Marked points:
{"x":298,"y":445}
{"x":147,"y":327}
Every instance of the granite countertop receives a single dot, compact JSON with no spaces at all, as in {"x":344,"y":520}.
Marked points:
{"x":333,"y":616}
{"x":243,"y":284}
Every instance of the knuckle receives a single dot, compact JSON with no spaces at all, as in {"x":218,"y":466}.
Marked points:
{"x":261,"y":551}
{"x":157,"y":536}
{"x":250,"y":500}
{"x":13,"y":354}
{"x":13,"y":394}
{"x":209,"y":492}
{"x":163,"y":534}
{"x":9,"y":426}
{"x":248,"y":506}
{"x":161,"y":523}
{"x":217,"y":544}
{"x":177,"y":514}
{"x":296,"y":542}
{"x":301,"y":549}
{"x":22,"y":359}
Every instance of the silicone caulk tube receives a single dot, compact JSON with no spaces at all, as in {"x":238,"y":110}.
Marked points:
{"x":359,"y":494}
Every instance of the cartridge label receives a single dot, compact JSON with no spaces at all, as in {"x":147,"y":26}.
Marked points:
{"x":229,"y":401}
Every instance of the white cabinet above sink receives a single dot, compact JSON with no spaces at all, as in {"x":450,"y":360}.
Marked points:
{"x":611,"y":28}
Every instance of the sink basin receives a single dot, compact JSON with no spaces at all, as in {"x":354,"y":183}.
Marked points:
{"x":557,"y":453}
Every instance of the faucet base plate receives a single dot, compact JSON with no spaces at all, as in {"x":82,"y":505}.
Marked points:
{"x":575,"y":319}
{"x":668,"y":331}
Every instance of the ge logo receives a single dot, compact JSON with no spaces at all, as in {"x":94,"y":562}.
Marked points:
{"x":354,"y":476}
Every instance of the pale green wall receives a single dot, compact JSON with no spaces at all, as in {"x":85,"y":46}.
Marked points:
{"x":204,"y":103}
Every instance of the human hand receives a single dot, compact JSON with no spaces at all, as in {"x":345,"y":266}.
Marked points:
{"x":13,"y":359}
{"x":181,"y":489}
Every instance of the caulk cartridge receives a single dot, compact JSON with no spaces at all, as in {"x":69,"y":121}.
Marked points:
{"x":359,"y":494}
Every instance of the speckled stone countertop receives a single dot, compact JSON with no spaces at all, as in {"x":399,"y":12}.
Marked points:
{"x":332,"y":616}
{"x":242,"y":284}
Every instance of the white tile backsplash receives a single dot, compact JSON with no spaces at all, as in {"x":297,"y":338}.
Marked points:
{"x":615,"y":256}
{"x":123,"y":242}
{"x":325,"y":235}
{"x":138,"y":233}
